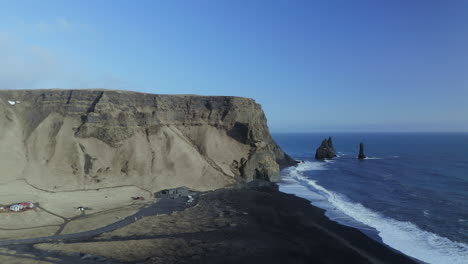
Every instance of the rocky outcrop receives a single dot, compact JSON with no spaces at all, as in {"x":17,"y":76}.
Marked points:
{"x":81,"y":139}
{"x":361,"y":151}
{"x":326,"y":150}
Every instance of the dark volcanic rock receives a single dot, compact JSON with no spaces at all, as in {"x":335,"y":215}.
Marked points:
{"x":326,"y":150}
{"x":361,"y":151}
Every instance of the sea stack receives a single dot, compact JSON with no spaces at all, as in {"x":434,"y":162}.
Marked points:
{"x":326,"y":150}
{"x":361,"y":151}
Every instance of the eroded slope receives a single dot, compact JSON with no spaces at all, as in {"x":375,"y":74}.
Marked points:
{"x":86,"y":139}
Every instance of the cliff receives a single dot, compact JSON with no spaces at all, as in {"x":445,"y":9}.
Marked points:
{"x":61,"y":140}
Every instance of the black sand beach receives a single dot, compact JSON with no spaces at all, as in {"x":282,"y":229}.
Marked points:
{"x":253,"y":223}
{"x":264,"y":225}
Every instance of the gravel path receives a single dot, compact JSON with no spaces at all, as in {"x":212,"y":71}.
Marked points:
{"x":162,"y":206}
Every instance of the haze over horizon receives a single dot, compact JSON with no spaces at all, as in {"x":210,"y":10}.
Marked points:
{"x":334,"y":66}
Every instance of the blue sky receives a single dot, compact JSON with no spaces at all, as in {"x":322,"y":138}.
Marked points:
{"x":313,"y":65}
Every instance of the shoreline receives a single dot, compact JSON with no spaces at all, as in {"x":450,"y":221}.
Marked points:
{"x":251,"y":223}
{"x":405,"y":237}
{"x":344,"y":220}
{"x":291,"y":186}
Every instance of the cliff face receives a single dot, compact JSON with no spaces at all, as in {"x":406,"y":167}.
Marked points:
{"x":81,"y":139}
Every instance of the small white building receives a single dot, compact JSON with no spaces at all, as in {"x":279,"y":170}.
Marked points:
{"x":16,"y":207}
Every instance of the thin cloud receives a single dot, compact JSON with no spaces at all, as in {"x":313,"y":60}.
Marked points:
{"x":58,"y":25}
{"x":26,"y":66}
{"x":64,"y":24}
{"x":44,"y":27}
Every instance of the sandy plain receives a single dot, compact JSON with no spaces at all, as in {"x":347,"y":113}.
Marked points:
{"x":57,"y":213}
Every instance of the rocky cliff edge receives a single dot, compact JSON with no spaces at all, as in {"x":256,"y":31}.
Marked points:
{"x":61,"y":140}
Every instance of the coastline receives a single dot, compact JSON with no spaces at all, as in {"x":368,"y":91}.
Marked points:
{"x":411,"y":199}
{"x":342,"y":219}
{"x":251,"y":223}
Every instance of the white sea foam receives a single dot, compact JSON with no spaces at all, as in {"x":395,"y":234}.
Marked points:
{"x":403,"y":236}
{"x":426,"y":213}
{"x":308,"y":166}
{"x":372,"y":158}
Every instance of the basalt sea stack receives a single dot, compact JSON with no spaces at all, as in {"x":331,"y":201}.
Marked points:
{"x":326,"y":150}
{"x":361,"y":151}
{"x":62,"y":140}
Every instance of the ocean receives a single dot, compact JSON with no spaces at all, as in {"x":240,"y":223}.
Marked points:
{"x":411,"y":193}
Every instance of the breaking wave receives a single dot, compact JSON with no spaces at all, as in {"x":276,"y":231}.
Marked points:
{"x":403,"y":236}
